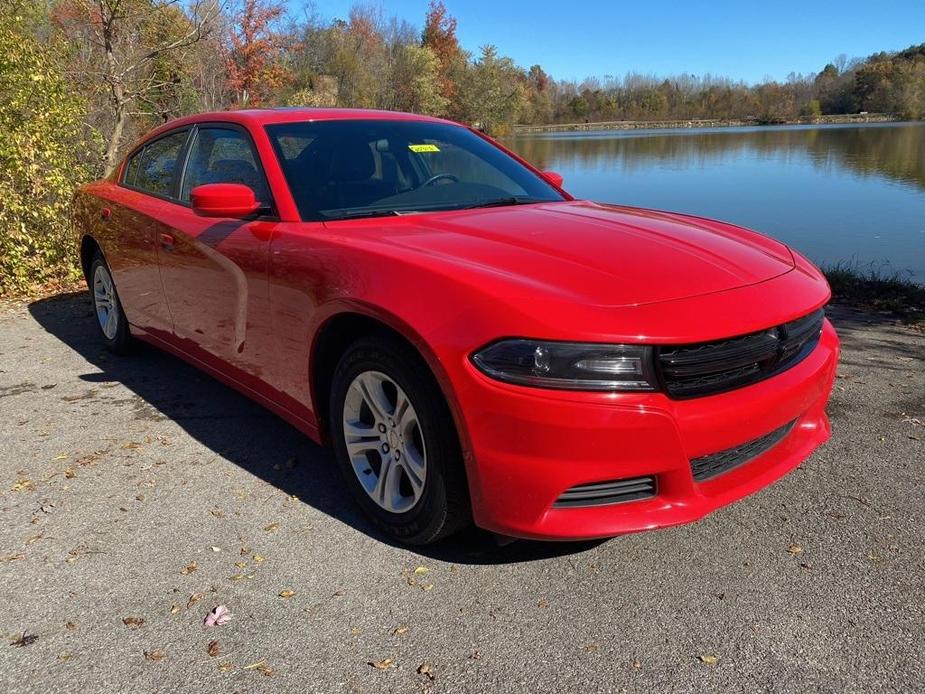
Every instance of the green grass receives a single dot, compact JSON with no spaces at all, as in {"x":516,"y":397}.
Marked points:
{"x":873,"y":289}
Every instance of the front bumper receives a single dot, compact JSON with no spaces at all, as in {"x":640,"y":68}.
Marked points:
{"x":527,"y":446}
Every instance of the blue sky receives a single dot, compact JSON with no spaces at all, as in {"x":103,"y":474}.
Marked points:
{"x":744,"y":40}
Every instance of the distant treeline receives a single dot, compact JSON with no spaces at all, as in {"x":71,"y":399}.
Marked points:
{"x":82,"y":79}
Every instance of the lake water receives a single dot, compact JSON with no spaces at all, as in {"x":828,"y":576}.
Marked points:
{"x":853,"y":194}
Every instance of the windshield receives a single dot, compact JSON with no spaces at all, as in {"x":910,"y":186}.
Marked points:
{"x":364,"y":168}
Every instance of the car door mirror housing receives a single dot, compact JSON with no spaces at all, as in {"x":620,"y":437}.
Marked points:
{"x":553,"y":177}
{"x":233,"y":200}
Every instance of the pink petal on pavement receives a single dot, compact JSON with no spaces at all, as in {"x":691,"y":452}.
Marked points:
{"x":217,"y":617}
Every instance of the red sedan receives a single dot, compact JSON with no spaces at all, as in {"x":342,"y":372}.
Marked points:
{"x":474,"y":343}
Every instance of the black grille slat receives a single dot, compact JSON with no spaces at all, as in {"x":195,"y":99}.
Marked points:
{"x":709,"y":368}
{"x":709,"y":466}
{"x":610,"y":492}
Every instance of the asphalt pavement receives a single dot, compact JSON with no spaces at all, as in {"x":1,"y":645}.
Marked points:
{"x":136,"y":494}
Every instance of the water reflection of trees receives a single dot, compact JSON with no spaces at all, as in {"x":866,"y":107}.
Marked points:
{"x":895,"y":152}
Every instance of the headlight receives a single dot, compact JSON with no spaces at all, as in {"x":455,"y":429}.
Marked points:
{"x":569,"y":365}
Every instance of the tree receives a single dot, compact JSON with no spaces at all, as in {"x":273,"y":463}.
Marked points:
{"x":136,"y":51}
{"x":494,"y":92}
{"x":439,"y":36}
{"x":252,"y":57}
{"x":40,"y":157}
{"x":416,"y":81}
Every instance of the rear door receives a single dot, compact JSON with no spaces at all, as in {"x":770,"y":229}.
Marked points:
{"x":144,"y":195}
{"x":214,"y":269}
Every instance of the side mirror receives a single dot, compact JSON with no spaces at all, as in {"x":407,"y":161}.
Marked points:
{"x":224,"y":200}
{"x":553,"y":177}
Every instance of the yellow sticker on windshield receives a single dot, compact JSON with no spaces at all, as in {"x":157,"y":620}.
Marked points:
{"x":423,"y":148}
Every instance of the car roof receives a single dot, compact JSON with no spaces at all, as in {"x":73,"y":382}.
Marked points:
{"x":295,"y":114}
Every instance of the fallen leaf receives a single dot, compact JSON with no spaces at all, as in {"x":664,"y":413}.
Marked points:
{"x":258,"y":558}
{"x":216,"y":549}
{"x":542,"y":603}
{"x":64,"y":657}
{"x":25,"y":639}
{"x":217,"y":512}
{"x":139,"y":497}
{"x":795,"y":549}
{"x":399,"y":630}
{"x":637,"y":664}
{"x":61,"y":456}
{"x":70,"y":626}
{"x":261,"y":666}
{"x":241,"y":564}
{"x":219,"y":616}
{"x":22,"y":486}
{"x":155,"y":656}
{"x":190,"y":568}
{"x":226,"y":667}
{"x":427,"y":586}
{"x":13,"y":557}
{"x":383,"y":664}
{"x":426,"y":669}
{"x":213,"y":649}
{"x":175,"y":609}
{"x":272,"y":527}
{"x":238,"y":577}
{"x":421,"y":570}
{"x":69,"y":473}
{"x":193,"y":599}
{"x":708,"y":659}
{"x":355,"y":631}
{"x":339,"y":592}
{"x":286,"y":593}
{"x":131,"y":445}
{"x":133,"y":622}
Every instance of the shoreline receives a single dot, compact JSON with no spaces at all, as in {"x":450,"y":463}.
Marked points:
{"x":692,"y":123}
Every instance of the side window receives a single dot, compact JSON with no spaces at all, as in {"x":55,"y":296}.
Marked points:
{"x":223,"y":155}
{"x":157,"y":164}
{"x":131,"y":168}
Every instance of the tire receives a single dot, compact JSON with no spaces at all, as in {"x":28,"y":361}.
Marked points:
{"x":107,"y":308}
{"x":414,"y":512}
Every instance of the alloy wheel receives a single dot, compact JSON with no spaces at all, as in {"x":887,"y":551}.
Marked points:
{"x":384,"y":441}
{"x":104,"y":300}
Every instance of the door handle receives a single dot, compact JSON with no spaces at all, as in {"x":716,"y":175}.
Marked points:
{"x":167,"y":242}
{"x":105,"y":214}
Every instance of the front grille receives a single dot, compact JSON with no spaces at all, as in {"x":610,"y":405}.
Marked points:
{"x":708,"y":466}
{"x":612,"y":492}
{"x":689,"y":371}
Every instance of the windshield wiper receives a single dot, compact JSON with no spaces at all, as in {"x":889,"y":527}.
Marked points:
{"x":501,"y":202}
{"x":358,"y":214}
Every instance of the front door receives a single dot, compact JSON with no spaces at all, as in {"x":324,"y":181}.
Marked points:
{"x":214,"y":269}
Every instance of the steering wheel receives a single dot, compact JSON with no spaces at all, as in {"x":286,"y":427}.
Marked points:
{"x":436,"y":177}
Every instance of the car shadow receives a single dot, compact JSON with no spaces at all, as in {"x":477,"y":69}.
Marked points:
{"x":243,"y":432}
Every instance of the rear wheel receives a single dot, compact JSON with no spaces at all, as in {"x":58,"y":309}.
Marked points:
{"x":110,"y":317}
{"x":396,"y":443}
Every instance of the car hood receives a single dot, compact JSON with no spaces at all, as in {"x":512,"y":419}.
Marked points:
{"x":598,"y":254}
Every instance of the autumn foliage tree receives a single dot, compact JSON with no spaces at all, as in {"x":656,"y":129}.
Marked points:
{"x":439,"y":36}
{"x":252,"y":58}
{"x":130,"y":57}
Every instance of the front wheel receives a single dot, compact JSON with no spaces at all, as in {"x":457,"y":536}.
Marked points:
{"x":108,"y":309}
{"x":396,"y":443}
